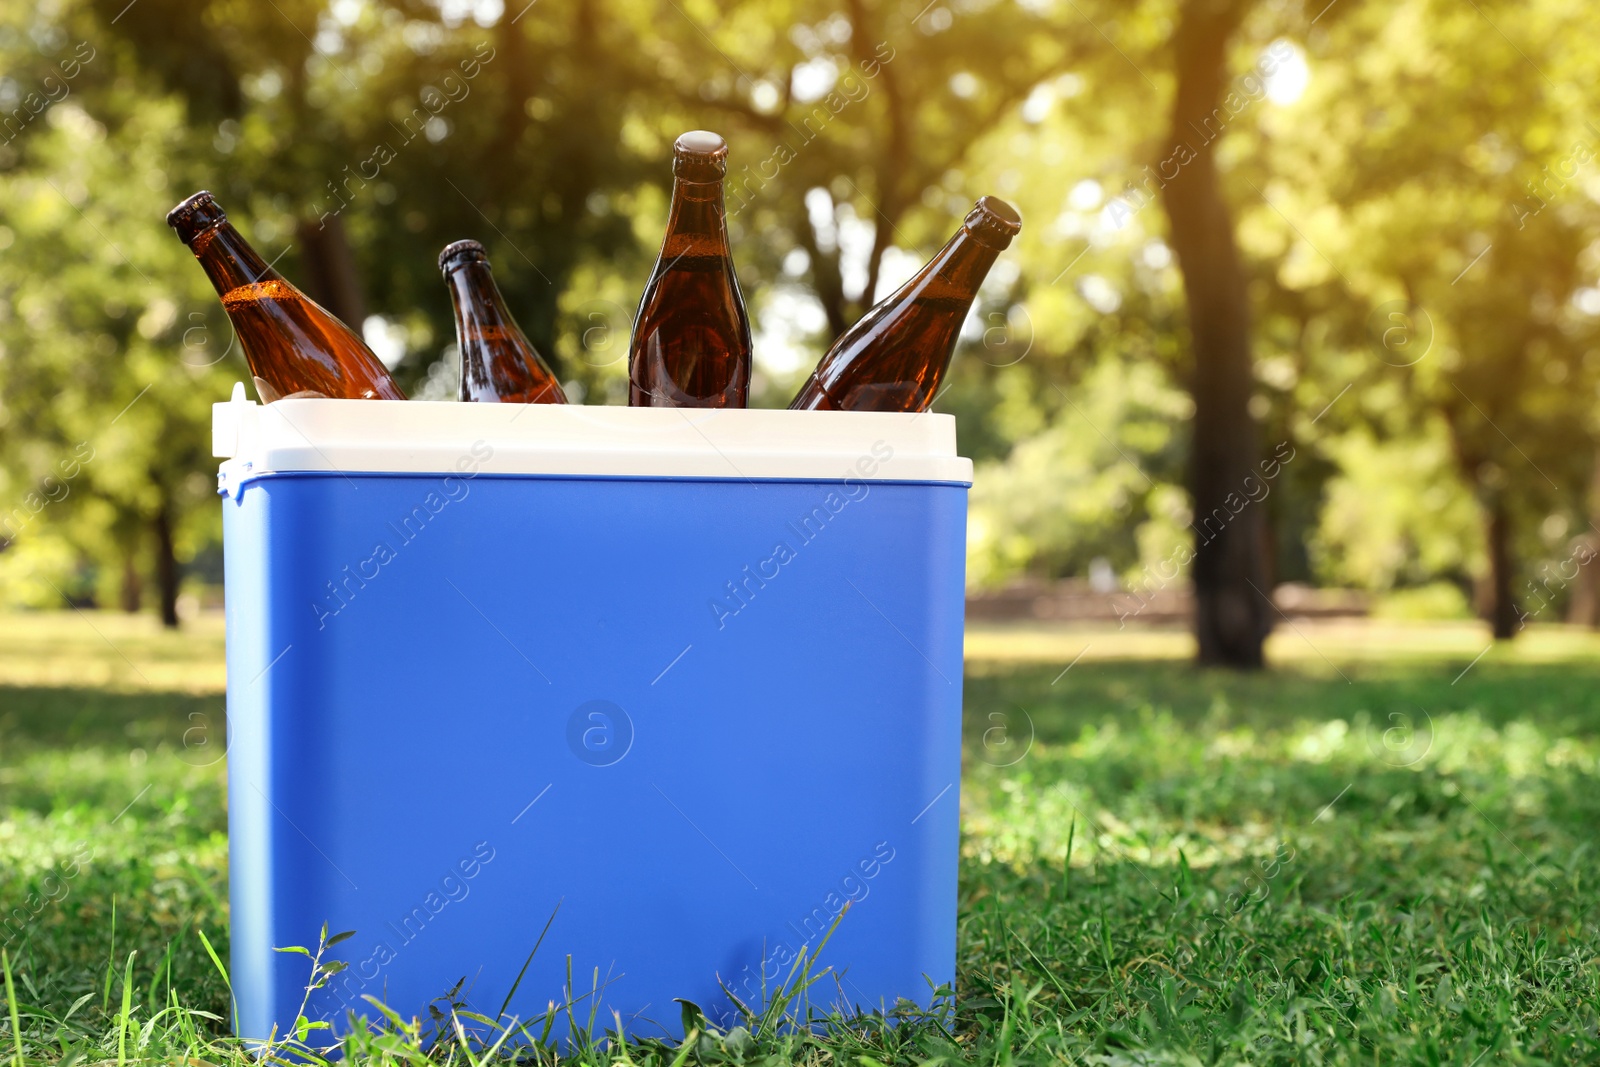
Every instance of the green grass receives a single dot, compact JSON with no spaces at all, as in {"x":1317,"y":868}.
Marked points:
{"x":1363,"y":856}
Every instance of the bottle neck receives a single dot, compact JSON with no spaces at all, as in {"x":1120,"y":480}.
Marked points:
{"x":477,"y":299}
{"x":228,"y":259}
{"x":958,"y":269}
{"x":697,"y":218}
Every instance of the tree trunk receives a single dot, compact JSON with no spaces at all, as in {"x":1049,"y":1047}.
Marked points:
{"x":1232,"y":612}
{"x":1584,"y":607}
{"x":522,"y":78}
{"x":894,"y":162}
{"x":166,"y":566}
{"x":131,"y":596}
{"x":330,"y":276}
{"x":1492,"y":595}
{"x":825,"y":279}
{"x":1496,"y":602}
{"x":585,"y":151}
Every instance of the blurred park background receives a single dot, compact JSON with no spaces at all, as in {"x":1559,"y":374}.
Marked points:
{"x":1306,"y":298}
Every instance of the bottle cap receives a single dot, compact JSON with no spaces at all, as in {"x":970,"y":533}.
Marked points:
{"x":700,"y":156}
{"x":993,"y":221}
{"x":456,"y":253}
{"x":196,"y":215}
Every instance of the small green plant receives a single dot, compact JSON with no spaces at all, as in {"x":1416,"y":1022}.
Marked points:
{"x":322,"y":972}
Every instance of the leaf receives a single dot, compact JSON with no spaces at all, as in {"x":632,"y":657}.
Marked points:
{"x":738,"y":1041}
{"x":1239,"y":1003}
{"x":693,"y":1018}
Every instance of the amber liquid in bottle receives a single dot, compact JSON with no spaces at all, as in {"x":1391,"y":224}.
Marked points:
{"x":294,"y":347}
{"x":691,"y":340}
{"x":894,"y":358}
{"x":498,"y":362}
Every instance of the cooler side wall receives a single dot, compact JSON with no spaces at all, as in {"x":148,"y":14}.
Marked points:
{"x":246,"y":523}
{"x":947,"y":568}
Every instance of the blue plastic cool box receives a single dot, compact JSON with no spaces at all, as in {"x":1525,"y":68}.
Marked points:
{"x":678,"y":685}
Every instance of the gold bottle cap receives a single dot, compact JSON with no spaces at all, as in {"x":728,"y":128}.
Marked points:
{"x":700,"y":156}
{"x":993,"y":221}
{"x":196,"y":215}
{"x":456,"y":253}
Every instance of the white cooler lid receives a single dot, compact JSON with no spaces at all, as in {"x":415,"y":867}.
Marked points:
{"x":390,"y":436}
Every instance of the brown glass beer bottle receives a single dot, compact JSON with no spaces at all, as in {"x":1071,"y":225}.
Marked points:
{"x":498,"y":362}
{"x":294,"y":347}
{"x":894,"y":358}
{"x":691,"y":340}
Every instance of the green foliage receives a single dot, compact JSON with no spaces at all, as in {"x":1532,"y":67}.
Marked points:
{"x":1394,"y":515}
{"x":1418,"y":230}
{"x":1076,"y":489}
{"x":1438,"y":196}
{"x":114,"y":352}
{"x":542,"y":131}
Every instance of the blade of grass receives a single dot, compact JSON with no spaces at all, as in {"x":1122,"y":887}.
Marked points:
{"x":11,"y":1004}
{"x":1066,"y":864}
{"x":501,"y":1014}
{"x":127,"y":1009}
{"x":594,"y":1005}
{"x":505,"y":1033}
{"x":686,"y":1049}
{"x":226,"y":981}
{"x":111,"y":959}
{"x":461,"y":1038}
{"x":165,"y":966}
